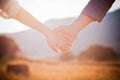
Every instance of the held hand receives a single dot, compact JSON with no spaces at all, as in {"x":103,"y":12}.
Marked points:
{"x":69,"y":32}
{"x":66,"y":36}
{"x":57,"y":40}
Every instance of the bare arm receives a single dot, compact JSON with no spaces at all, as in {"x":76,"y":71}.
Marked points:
{"x":53,"y":37}
{"x":24,"y":17}
{"x":81,"y":22}
{"x":94,"y":11}
{"x":12,"y":9}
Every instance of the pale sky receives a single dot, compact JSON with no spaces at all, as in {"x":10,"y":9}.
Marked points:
{"x":44,"y":10}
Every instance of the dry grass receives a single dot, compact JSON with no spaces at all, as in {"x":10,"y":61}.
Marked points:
{"x":57,"y":70}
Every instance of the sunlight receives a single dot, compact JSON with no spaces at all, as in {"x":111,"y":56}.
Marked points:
{"x":44,"y":10}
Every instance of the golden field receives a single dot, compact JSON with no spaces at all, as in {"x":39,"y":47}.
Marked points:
{"x":70,"y":70}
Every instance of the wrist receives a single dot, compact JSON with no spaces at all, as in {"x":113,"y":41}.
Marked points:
{"x":81,"y":22}
{"x":74,"y":29}
{"x":46,"y":31}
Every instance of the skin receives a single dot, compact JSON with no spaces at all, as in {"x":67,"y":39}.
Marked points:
{"x":56,"y":40}
{"x":71,"y":31}
{"x":60,"y":38}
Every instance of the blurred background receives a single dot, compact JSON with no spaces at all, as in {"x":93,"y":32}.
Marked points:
{"x":59,"y":12}
{"x":95,"y":54}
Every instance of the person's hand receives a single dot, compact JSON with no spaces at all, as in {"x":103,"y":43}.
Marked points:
{"x":66,"y":36}
{"x":56,"y":39}
{"x":69,"y":32}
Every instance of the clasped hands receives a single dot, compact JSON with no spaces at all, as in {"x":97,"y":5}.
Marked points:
{"x":61,"y":38}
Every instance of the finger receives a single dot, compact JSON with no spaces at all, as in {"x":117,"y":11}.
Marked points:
{"x":54,"y":49}
{"x":67,"y":43}
{"x":63,"y":51}
{"x":65,"y":48}
{"x":68,"y":38}
{"x":60,"y":46}
{"x":68,"y":49}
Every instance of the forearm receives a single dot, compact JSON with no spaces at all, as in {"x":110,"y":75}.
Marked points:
{"x":92,"y":12}
{"x":24,"y":17}
{"x":81,"y":22}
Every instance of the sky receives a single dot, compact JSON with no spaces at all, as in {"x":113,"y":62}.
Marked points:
{"x":44,"y":10}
